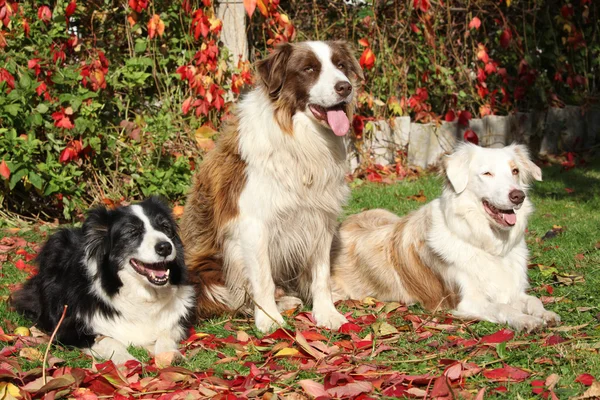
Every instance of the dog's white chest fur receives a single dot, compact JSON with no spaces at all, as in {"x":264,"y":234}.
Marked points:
{"x":294,"y":182}
{"x":145,"y":314}
{"x":293,"y":193}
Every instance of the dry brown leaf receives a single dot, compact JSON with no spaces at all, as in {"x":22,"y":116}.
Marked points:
{"x":419,"y":197}
{"x":551,"y":381}
{"x":593,"y":392}
{"x":31,"y":354}
{"x":568,"y":328}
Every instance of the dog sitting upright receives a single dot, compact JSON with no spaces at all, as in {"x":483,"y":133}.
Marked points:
{"x":464,"y":251}
{"x":264,"y":204}
{"x":123,"y":278}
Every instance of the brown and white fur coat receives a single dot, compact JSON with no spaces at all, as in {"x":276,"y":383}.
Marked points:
{"x":262,"y":211}
{"x":465,"y":251}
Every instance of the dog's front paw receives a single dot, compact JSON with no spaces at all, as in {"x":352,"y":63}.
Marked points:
{"x":265,"y":323}
{"x":167,"y":358}
{"x":527,"y":323}
{"x":550,"y":318}
{"x":329,"y":319}
{"x":120,"y":358}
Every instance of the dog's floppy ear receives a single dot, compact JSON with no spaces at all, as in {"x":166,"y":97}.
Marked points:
{"x":272,"y":70}
{"x":96,"y":230}
{"x":528,"y":168}
{"x":349,"y":55}
{"x":456,"y":166}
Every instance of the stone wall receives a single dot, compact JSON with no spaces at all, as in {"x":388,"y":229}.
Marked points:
{"x":550,"y":132}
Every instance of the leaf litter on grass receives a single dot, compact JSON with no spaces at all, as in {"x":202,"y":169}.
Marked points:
{"x":346,"y":363}
{"x":385,"y":350}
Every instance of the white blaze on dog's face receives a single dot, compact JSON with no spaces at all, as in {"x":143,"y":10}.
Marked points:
{"x":499,"y":178}
{"x":154,"y":251}
{"x":314,"y":78}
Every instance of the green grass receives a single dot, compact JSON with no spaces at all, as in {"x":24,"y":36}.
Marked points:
{"x":573,"y":252}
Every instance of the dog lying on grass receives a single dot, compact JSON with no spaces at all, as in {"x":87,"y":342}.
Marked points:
{"x":465,"y":251}
{"x":123,"y":278}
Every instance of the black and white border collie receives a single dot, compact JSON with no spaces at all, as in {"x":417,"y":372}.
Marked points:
{"x":265,"y":202}
{"x":123,"y":278}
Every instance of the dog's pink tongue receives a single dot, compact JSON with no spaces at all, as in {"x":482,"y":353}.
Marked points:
{"x":338,"y":121}
{"x":510,"y":219}
{"x":160,"y":273}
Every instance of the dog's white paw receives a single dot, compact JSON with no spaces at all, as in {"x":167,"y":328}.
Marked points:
{"x":550,"y":318}
{"x":264,"y":323}
{"x":527,"y":323}
{"x":119,"y":358}
{"x":329,"y":319}
{"x":167,"y":358}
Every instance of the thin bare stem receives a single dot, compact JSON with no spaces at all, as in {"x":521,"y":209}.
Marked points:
{"x":62,"y":317}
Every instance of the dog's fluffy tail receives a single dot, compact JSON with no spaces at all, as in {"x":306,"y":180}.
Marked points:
{"x":27,"y":300}
{"x":212,"y":295}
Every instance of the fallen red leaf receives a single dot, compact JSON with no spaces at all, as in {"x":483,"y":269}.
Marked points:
{"x":506,"y":374}
{"x":349,"y":327}
{"x":503,"y":335}
{"x":585,"y":379}
{"x":351,"y":389}
{"x":553,"y":340}
{"x":314,"y":389}
{"x":30,"y":269}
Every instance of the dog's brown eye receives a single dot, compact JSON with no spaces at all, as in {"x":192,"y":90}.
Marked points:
{"x":487,"y":174}
{"x":515,"y":171}
{"x":341,"y":66}
{"x":309,"y":69}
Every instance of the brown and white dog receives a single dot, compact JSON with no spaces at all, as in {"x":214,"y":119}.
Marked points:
{"x":465,"y":251}
{"x":262,"y":211}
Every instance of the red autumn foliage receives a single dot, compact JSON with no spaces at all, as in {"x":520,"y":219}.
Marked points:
{"x":71,"y":7}
{"x":506,"y":374}
{"x":4,"y":170}
{"x":505,"y":38}
{"x":367,"y":59}
{"x":7,"y":77}
{"x":464,"y":117}
{"x":155,"y":26}
{"x":71,"y":152}
{"x":138,"y":5}
{"x":585,"y":379}
{"x":62,"y":118}
{"x":471,"y":136}
{"x":475,"y":23}
{"x":503,"y":335}
{"x":44,"y":13}
{"x":422,"y":5}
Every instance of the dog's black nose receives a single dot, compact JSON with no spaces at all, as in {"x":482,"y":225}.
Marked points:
{"x":163,"y":249}
{"x":343,"y":88}
{"x":516,"y":196}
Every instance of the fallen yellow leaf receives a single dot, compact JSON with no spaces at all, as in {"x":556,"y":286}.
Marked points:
{"x":287,"y":352}
{"x":31,"y":354}
{"x":8,"y":391}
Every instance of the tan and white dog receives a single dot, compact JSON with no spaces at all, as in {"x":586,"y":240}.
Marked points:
{"x":263,"y":208}
{"x":464,"y":251}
